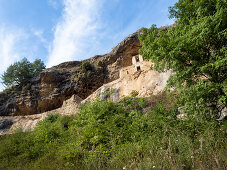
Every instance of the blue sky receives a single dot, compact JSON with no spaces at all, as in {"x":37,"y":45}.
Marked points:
{"x":64,"y":30}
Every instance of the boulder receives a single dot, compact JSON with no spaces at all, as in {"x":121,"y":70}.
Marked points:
{"x":5,"y":124}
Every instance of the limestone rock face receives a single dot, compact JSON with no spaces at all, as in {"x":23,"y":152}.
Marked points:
{"x":62,"y":88}
{"x":53,"y":86}
{"x":145,"y":82}
{"x":7,"y":103}
{"x":8,"y":124}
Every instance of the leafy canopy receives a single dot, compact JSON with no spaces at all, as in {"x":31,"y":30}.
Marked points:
{"x":195,"y":49}
{"x":21,"y":71}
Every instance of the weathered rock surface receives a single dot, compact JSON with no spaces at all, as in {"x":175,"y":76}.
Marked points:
{"x":62,"y":88}
{"x":5,"y":124}
{"x":8,"y":124}
{"x":55,"y":85}
{"x":145,"y":82}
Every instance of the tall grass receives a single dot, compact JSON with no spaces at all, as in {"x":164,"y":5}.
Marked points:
{"x":107,"y":135}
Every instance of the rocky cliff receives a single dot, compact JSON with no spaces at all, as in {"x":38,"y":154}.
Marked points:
{"x":55,"y":85}
{"x":62,"y":88}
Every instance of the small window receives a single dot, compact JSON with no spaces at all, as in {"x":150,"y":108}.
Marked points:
{"x":138,"y":68}
{"x":137,"y":59}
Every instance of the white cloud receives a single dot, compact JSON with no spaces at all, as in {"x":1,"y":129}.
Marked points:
{"x":76,"y":31}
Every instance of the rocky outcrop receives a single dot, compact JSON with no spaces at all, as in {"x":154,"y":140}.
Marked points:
{"x":62,"y":88}
{"x":145,"y":83}
{"x":55,"y":85}
{"x":5,"y":124}
{"x":9,"y":124}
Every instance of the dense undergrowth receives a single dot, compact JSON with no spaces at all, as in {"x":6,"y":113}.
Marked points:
{"x":107,"y":135}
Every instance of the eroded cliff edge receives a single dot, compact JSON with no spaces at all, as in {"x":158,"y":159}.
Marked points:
{"x":54,"y":85}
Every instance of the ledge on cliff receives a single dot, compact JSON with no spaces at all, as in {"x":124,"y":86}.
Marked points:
{"x":54,"y":85}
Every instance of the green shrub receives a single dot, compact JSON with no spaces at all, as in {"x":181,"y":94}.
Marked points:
{"x":103,"y":123}
{"x":134,"y":103}
{"x":134,"y":93}
{"x":86,"y":66}
{"x":52,"y":118}
{"x":107,"y":135}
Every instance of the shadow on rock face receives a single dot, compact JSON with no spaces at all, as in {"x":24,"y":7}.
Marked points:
{"x":53,"y":86}
{"x":5,"y":124}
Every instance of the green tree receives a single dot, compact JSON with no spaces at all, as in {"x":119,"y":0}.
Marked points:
{"x":19,"y":72}
{"x":195,"y":49}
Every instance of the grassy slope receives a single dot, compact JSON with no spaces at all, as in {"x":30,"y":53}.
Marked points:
{"x":106,"y":135}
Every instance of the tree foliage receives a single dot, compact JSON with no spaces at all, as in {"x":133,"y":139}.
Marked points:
{"x":195,"y":49}
{"x":21,"y":71}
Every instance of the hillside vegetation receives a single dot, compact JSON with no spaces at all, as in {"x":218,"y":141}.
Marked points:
{"x":107,"y":135}
{"x":195,"y":49}
{"x":139,"y":133}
